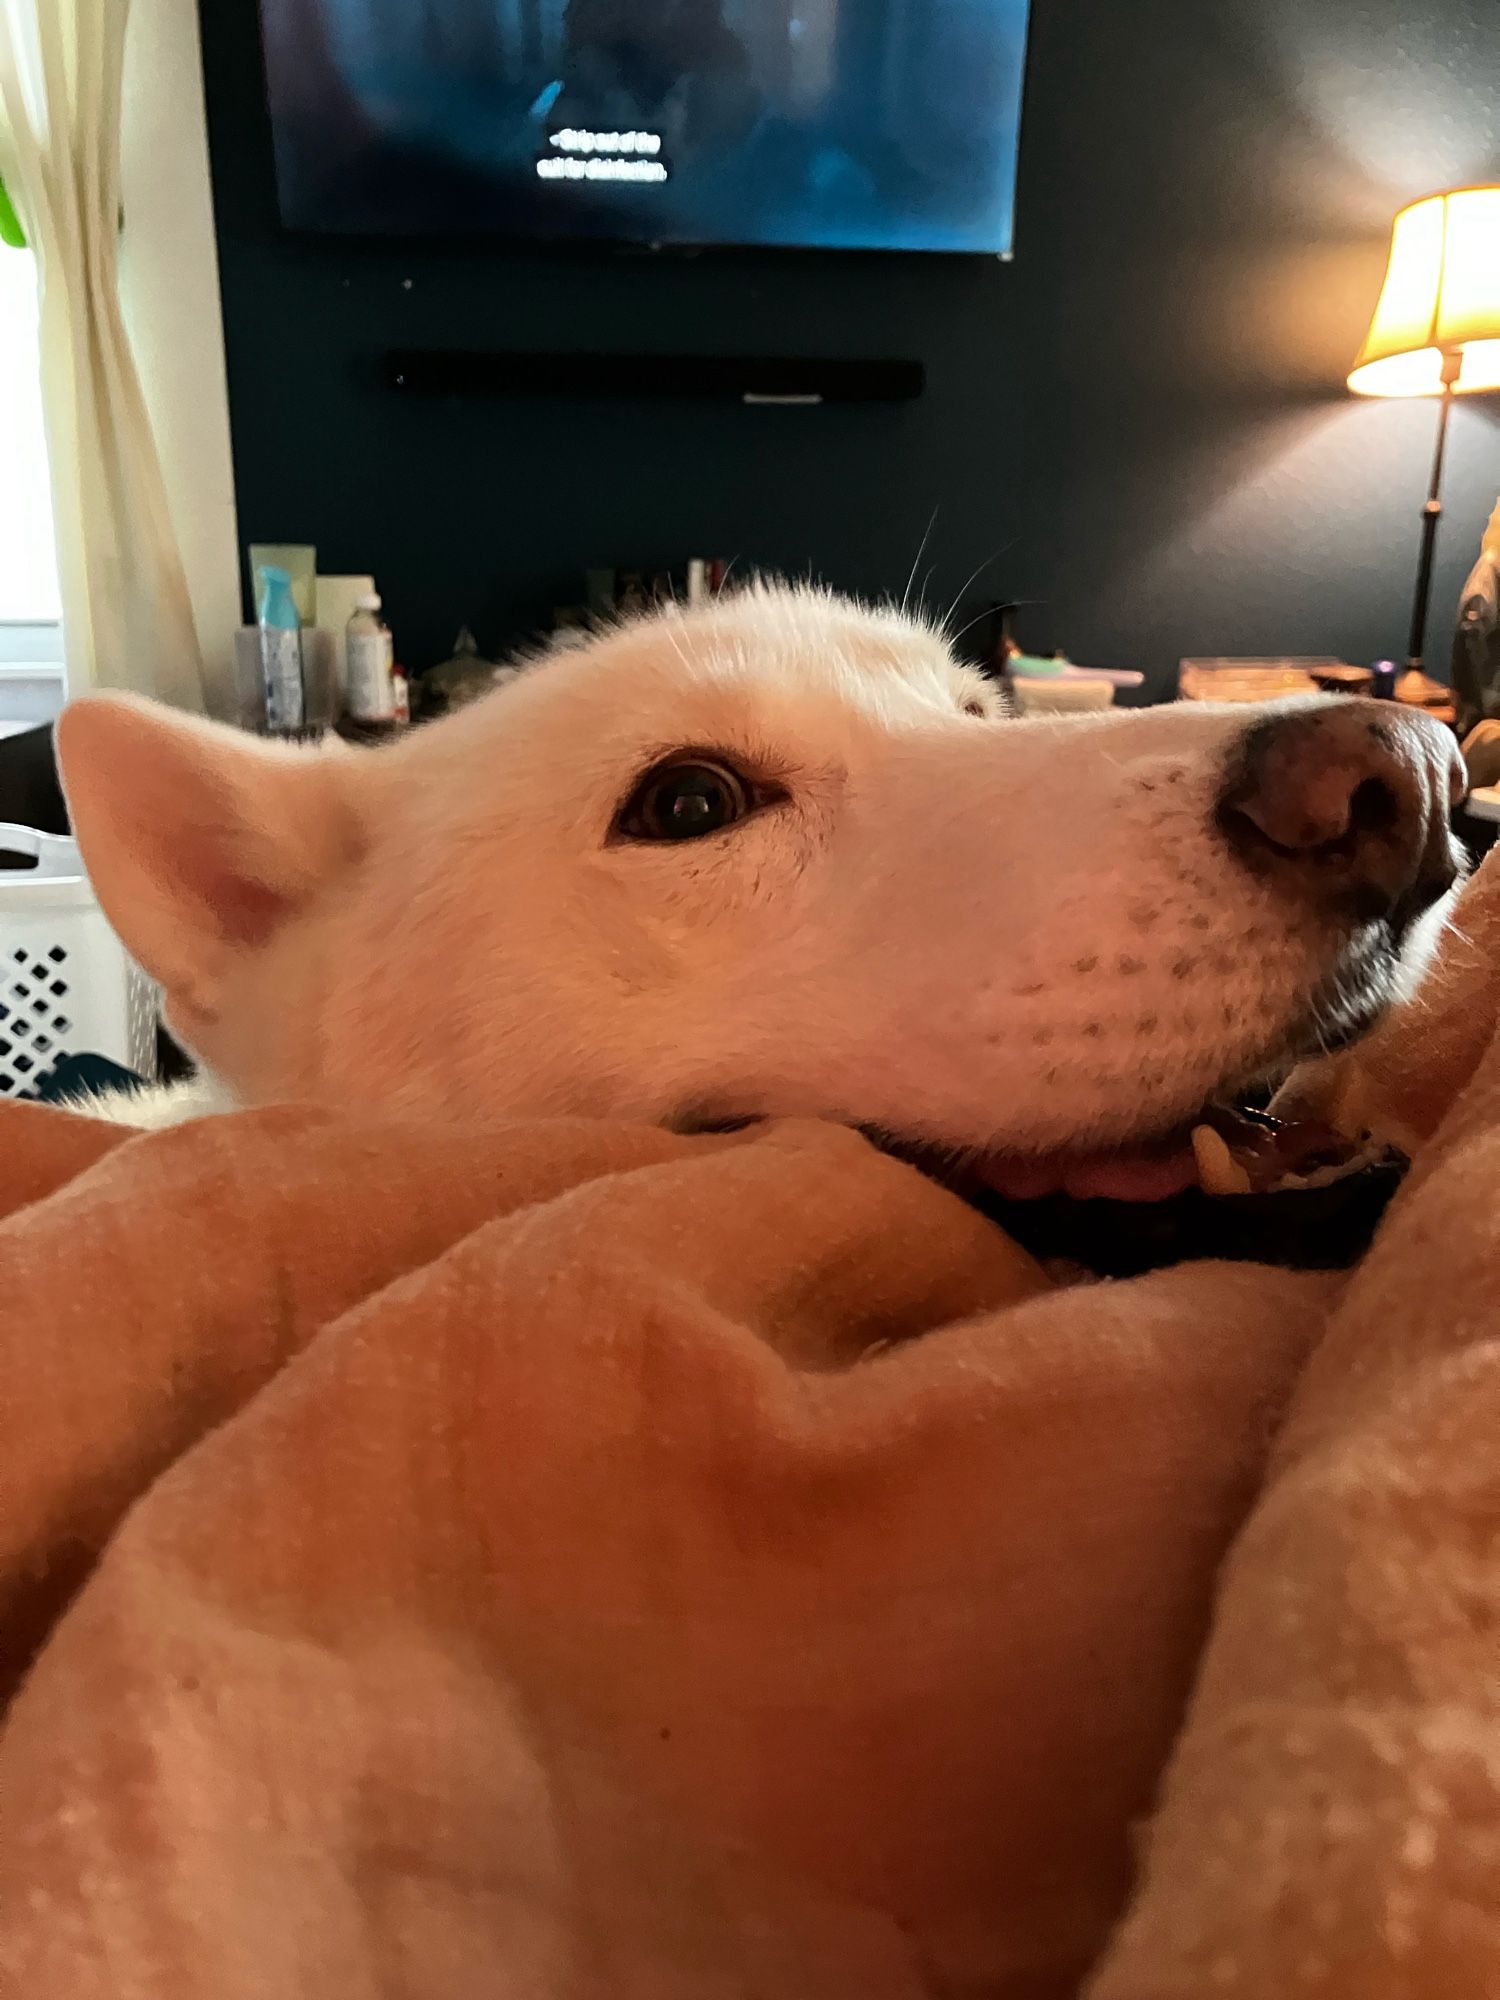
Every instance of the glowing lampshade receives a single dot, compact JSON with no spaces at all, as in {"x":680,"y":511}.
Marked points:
{"x":1440,"y":302}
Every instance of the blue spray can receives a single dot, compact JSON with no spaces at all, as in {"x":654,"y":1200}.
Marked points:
{"x":280,"y":653}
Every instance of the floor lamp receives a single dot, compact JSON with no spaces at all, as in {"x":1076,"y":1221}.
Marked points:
{"x":1436,"y":332}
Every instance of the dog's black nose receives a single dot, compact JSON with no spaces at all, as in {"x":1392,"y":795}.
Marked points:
{"x":1356,"y":797}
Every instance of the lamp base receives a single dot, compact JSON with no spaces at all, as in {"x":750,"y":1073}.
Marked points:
{"x":1432,"y":513}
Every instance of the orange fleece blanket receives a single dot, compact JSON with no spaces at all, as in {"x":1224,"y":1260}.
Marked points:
{"x":572,"y":1561}
{"x":1330,"y":1823}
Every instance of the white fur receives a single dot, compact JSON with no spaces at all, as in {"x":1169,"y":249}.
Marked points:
{"x":158,"y":1108}
{"x":968,"y":930}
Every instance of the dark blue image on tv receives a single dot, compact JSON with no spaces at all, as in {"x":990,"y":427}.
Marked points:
{"x":849,"y":124}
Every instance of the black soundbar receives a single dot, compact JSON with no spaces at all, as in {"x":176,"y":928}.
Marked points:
{"x":768,"y":379}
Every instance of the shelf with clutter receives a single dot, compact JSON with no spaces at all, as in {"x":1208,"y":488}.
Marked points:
{"x":321,"y":658}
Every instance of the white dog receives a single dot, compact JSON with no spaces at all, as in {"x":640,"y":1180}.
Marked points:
{"x":782,"y":854}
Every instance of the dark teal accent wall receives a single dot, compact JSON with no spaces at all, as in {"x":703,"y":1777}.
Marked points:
{"x":1140,"y":422}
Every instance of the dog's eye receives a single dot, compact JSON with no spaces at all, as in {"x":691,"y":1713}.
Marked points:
{"x":976,"y":708}
{"x":684,"y":801}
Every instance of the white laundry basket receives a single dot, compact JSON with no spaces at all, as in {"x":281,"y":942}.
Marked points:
{"x":67,"y":986}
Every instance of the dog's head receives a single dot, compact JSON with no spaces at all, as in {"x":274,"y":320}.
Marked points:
{"x":779,"y":855}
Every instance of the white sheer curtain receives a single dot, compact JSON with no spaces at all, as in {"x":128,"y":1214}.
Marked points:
{"x":127,"y":616}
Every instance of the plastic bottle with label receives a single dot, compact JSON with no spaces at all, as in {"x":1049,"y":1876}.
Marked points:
{"x":371,"y":662}
{"x":280,"y":653}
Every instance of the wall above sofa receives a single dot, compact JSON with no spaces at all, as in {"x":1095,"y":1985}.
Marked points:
{"x":1141,"y":421}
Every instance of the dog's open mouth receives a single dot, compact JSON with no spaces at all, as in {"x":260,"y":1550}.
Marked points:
{"x":1227,"y":1150}
{"x":1234,"y":1183}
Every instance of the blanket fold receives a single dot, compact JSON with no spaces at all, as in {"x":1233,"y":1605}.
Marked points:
{"x":581,"y":1561}
{"x":1331,"y":1820}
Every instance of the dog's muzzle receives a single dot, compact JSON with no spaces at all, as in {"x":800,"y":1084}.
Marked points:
{"x":1348,"y":803}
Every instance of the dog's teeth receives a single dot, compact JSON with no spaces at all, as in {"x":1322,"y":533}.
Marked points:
{"x":1219,"y":1172}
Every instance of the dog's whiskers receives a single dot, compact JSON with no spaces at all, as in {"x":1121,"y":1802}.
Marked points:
{"x":966,"y":586}
{"x":964,"y":630}
{"x":916,"y":560}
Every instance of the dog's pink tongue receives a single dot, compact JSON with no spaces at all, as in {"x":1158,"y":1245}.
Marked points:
{"x":1142,"y":1173}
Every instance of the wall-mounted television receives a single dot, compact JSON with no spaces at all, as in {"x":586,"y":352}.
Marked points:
{"x":830,"y":124}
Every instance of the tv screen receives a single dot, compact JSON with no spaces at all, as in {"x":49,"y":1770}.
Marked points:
{"x":840,"y":124}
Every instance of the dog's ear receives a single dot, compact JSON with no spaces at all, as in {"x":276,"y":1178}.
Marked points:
{"x":200,"y":841}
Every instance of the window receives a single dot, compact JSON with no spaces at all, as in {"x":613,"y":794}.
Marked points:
{"x":28,"y":558}
{"x":31,"y":671}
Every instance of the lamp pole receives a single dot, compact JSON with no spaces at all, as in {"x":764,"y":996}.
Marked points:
{"x":1432,"y":513}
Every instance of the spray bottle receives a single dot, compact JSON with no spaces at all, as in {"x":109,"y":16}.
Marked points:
{"x":280,"y":653}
